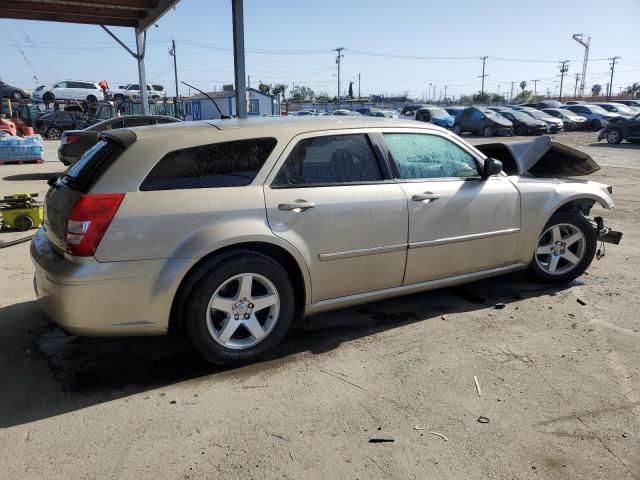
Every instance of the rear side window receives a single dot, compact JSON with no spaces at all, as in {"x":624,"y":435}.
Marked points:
{"x":89,"y":168}
{"x":225,"y":164}
{"x":333,"y":159}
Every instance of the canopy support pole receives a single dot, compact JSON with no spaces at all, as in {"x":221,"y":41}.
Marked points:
{"x":238,"y":58}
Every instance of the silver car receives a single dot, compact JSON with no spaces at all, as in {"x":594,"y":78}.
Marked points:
{"x":228,"y":229}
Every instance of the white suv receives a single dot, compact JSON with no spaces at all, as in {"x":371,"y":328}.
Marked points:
{"x":69,"y":90}
{"x":132,"y":92}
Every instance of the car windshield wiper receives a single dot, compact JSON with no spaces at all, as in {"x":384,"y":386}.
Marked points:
{"x":52,"y":181}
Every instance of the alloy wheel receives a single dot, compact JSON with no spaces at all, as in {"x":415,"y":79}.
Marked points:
{"x":243,"y":311}
{"x":614,"y":136}
{"x":560,"y":249}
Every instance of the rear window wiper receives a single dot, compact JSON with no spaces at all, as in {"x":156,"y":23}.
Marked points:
{"x":53,"y":180}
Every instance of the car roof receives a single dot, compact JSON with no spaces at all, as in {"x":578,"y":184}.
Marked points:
{"x":291,"y":125}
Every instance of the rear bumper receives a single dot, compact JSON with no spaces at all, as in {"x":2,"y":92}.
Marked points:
{"x":101,"y":299}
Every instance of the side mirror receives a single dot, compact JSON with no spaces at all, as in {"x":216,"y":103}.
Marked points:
{"x":491,"y":167}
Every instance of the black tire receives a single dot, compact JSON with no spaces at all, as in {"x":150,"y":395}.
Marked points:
{"x":614,"y":136}
{"x":17,"y":95}
{"x":48,"y":97}
{"x":521,"y":130}
{"x":457,"y":129}
{"x":216,"y":273}
{"x":580,"y":222}
{"x":92,"y":99}
{"x":488,"y":131}
{"x":119,"y":99}
{"x":53,"y":133}
{"x":595,"y":125}
{"x":23,"y":223}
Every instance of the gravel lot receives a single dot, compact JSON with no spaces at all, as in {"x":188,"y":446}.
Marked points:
{"x":558,"y":368}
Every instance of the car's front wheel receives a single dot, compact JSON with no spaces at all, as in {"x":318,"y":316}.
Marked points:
{"x":17,"y":95}
{"x":53,"y":133}
{"x":614,"y":136}
{"x":489,"y":131}
{"x":240,"y":309}
{"x":48,"y":97}
{"x":565,"y":248}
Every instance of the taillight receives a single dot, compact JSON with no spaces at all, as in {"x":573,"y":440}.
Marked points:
{"x":88,"y":221}
{"x":69,"y":139}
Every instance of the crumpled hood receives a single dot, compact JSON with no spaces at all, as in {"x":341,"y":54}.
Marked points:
{"x":540,"y":157}
{"x":443,"y":121}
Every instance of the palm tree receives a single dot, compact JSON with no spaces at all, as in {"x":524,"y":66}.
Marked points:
{"x":523,"y":85}
{"x":634,"y":90}
{"x":596,"y":89}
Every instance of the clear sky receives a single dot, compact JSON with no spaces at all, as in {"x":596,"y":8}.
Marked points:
{"x":292,"y":40}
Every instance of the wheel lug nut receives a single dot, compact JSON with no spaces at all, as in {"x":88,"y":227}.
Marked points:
{"x":251,"y":305}
{"x":246,"y":316}
{"x":236,"y":316}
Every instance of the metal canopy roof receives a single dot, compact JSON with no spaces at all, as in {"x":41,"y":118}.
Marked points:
{"x":139,"y":14}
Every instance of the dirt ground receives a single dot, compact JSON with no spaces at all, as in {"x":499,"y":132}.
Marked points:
{"x":558,"y":370}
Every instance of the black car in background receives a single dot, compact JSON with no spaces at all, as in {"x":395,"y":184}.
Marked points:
{"x":571,"y":120}
{"x":13,"y":93}
{"x":73,"y":143}
{"x":51,"y":125}
{"x":621,"y":128}
{"x":483,"y":121}
{"x":522,"y":124}
{"x":411,"y":109}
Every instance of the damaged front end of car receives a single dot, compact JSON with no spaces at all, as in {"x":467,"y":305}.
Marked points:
{"x":543,"y":158}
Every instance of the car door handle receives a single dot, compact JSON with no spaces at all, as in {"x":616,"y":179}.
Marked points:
{"x":419,"y":197}
{"x":297,"y":206}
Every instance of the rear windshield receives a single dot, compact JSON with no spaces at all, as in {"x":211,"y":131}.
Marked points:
{"x":83,"y":174}
{"x":224,"y":164}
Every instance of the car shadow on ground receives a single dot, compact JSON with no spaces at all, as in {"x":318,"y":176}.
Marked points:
{"x":45,"y":372}
{"x":626,"y":146}
{"x":30,"y":176}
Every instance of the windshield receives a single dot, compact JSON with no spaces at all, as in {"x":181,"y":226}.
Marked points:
{"x":538,"y":114}
{"x":518,"y":116}
{"x":491,"y":114}
{"x":566,"y":112}
{"x":438,"y":113}
{"x":596,"y":109}
{"x":624,"y":109}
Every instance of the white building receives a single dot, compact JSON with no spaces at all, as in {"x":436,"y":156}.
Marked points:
{"x":199,"y":107}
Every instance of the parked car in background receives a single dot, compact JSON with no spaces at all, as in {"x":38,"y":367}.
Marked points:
{"x":622,"y":128}
{"x":597,"y":117}
{"x":436,"y":115}
{"x":305,"y":112}
{"x":410,"y":110}
{"x":132,"y":92}
{"x":74,"y":143}
{"x":345,"y":112}
{"x":390,"y":113}
{"x":51,"y":125}
{"x":617,"y":108}
{"x":548,"y":104}
{"x":630,"y":103}
{"x":14,"y":93}
{"x":69,"y":90}
{"x":571,"y":121}
{"x":575,"y":102}
{"x":554,"y":124}
{"x":227,"y":230}
{"x":159,"y":90}
{"x":523,"y":124}
{"x":454,"y":111}
{"x":483,"y":121}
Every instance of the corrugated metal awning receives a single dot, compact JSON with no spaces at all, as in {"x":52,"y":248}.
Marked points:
{"x":139,"y":14}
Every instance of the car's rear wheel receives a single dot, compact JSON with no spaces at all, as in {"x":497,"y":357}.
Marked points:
{"x":53,"y":133}
{"x":457,"y":129}
{"x":119,"y":99}
{"x":240,"y":309}
{"x":614,"y":136}
{"x":595,"y":125}
{"x":92,"y":99}
{"x":17,"y":95}
{"x":565,"y":248}
{"x":489,"y":131}
{"x":48,"y":97}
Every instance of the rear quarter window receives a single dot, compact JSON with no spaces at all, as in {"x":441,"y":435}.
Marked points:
{"x":224,"y":164}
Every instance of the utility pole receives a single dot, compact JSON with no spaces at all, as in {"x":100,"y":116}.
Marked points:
{"x":358,"y":86}
{"x":429,"y":93}
{"x":535,"y":87}
{"x":579,"y":37}
{"x":511,"y":94}
{"x":575,"y":89}
{"x":484,"y":59}
{"x":172,"y":52}
{"x":338,"y":61}
{"x":445,"y":93}
{"x":564,"y":68}
{"x":248,"y":81}
{"x":434,"y":93}
{"x":613,"y":67}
